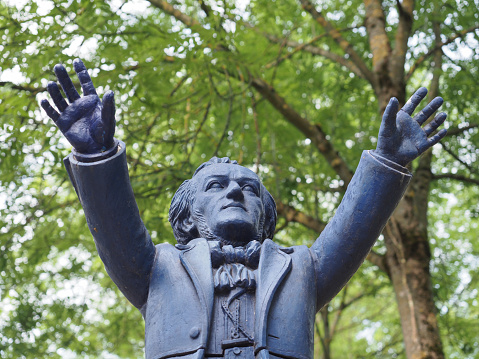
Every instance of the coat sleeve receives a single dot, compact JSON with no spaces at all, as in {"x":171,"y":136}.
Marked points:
{"x":121,"y":238}
{"x":374,"y":192}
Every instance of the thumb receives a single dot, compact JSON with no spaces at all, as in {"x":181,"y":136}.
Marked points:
{"x":108,"y":114}
{"x":388,"y":123}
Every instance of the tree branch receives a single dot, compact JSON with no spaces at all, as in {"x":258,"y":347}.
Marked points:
{"x":339,"y":312}
{"x":314,"y":50}
{"x":378,"y":38}
{"x":457,"y":131}
{"x":293,"y":215}
{"x":456,"y":157}
{"x":343,"y":43}
{"x":310,"y":130}
{"x":422,"y":176}
{"x":378,"y":260}
{"x":456,"y":177}
{"x":428,"y":54}
{"x":178,"y":15}
{"x":205,"y":7}
{"x":33,"y":90}
{"x":403,"y":33}
{"x":318,"y":333}
{"x":258,"y":135}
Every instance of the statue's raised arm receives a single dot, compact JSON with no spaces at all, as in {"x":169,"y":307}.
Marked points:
{"x":98,"y":171}
{"x":374,"y":192}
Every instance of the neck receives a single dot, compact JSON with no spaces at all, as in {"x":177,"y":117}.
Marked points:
{"x":235,"y":241}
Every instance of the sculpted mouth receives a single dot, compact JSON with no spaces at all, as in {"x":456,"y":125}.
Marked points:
{"x":234,"y":205}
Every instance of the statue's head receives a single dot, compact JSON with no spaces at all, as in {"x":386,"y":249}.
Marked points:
{"x":223,"y":201}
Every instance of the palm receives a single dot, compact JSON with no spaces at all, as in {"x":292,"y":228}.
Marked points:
{"x":401,"y":138}
{"x":83,"y":125}
{"x":87,"y":123}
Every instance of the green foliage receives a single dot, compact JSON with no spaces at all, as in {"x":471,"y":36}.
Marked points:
{"x":183,"y":96}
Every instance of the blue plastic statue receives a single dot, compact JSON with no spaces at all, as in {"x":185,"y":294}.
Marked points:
{"x":226,"y":289}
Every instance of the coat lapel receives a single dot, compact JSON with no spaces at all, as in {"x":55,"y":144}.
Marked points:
{"x":197,"y":262}
{"x":274,"y":264}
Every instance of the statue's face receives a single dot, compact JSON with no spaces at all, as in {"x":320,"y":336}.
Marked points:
{"x":228,"y":200}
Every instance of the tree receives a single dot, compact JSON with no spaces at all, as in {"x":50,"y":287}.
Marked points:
{"x":296,"y":90}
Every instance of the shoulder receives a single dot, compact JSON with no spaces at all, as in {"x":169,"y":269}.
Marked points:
{"x":179,"y":248}
{"x":298,"y":254}
{"x":166,"y":247}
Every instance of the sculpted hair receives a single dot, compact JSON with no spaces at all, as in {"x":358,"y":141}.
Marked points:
{"x":180,"y":216}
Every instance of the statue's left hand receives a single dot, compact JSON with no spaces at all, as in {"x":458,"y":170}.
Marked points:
{"x":401,"y":138}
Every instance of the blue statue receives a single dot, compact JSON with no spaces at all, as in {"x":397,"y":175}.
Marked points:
{"x":226,"y":289}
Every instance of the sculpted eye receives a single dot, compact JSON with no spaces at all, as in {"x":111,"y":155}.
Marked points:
{"x":250,"y":188}
{"x":214,"y":185}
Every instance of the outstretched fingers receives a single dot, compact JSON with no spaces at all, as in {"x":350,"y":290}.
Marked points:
{"x":84,"y":77}
{"x":108,"y":113}
{"x":434,"y":139}
{"x":51,"y":112}
{"x":434,"y":124}
{"x":388,"y":123}
{"x":427,"y":111}
{"x":56,"y":96}
{"x":414,"y":101}
{"x":66,"y":83}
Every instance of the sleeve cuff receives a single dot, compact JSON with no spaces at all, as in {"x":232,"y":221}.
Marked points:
{"x":95,"y":157}
{"x":389,"y":163}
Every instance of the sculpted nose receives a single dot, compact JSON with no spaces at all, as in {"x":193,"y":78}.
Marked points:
{"x":234,"y":191}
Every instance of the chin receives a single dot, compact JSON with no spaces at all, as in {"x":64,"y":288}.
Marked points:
{"x":236,"y":233}
{"x":233,"y":242}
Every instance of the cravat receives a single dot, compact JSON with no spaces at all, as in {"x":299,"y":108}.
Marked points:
{"x":235,"y":265}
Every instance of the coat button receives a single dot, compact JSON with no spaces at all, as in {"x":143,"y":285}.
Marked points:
{"x":194,"y":332}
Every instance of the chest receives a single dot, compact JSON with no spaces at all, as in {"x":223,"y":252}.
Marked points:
{"x":185,"y":315}
{"x":232,"y":322}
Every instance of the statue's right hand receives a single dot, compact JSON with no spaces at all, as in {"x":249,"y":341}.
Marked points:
{"x":87,"y":123}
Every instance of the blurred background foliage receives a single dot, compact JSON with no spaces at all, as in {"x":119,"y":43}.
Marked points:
{"x":184,"y":94}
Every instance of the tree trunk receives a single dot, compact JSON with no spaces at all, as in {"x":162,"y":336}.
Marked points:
{"x":326,"y":338}
{"x":407,"y":258}
{"x":408,"y":253}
